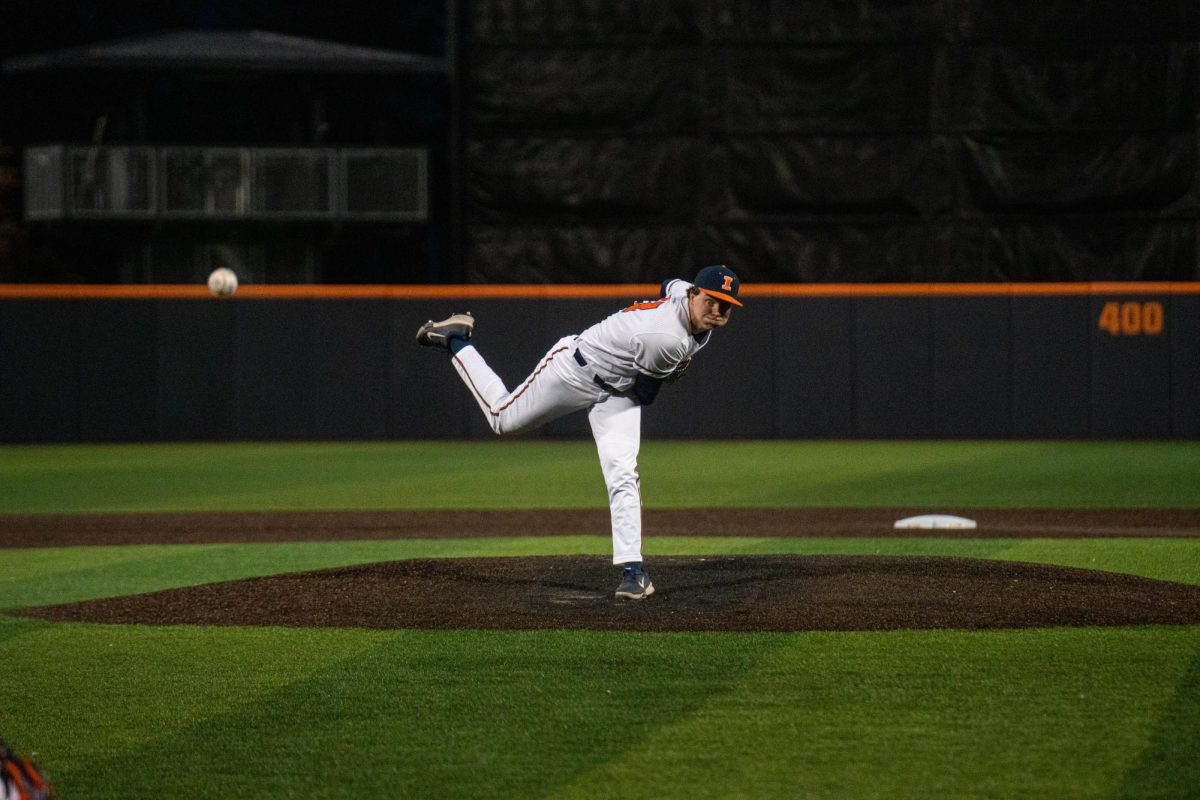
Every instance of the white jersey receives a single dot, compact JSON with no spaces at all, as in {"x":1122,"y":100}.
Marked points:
{"x":597,"y":371}
{"x":651,"y":338}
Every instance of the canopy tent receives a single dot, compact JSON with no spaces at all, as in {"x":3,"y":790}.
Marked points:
{"x":256,"y":51}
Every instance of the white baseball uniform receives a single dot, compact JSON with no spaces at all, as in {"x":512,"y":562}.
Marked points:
{"x":597,"y":370}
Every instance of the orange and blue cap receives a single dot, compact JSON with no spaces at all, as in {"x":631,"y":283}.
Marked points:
{"x":720,"y":282}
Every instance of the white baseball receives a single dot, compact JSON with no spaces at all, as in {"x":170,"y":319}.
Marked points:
{"x":222,"y":282}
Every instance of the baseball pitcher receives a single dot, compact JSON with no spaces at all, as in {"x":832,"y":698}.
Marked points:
{"x":612,"y":369}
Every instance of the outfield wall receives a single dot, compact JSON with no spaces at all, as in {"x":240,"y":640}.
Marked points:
{"x":171,"y":363}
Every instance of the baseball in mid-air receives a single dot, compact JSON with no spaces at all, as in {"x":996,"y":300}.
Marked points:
{"x":222,"y":282}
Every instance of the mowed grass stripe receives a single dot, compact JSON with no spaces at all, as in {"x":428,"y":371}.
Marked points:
{"x":1172,"y":756}
{"x":1162,"y":559}
{"x":114,"y":688}
{"x":1052,"y":713}
{"x":1033,"y":714}
{"x":449,"y":714}
{"x":565,"y":474}
{"x":285,"y":476}
{"x":70,"y":574}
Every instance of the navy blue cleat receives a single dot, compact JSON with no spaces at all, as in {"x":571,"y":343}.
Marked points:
{"x":635,"y":583}
{"x":439,"y":334}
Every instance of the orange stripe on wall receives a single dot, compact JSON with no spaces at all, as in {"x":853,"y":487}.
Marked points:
{"x":329,"y":291}
{"x":627,"y":291}
{"x":964,"y":289}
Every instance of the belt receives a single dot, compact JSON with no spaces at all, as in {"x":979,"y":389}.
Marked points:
{"x":599,"y":382}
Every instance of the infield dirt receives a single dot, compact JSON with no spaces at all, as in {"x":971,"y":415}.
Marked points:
{"x":68,"y":530}
{"x":734,"y":593}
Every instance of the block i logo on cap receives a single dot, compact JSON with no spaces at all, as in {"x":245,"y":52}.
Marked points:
{"x":719,"y":281}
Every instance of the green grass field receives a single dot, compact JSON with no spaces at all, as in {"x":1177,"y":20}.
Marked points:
{"x":179,"y":712}
{"x":532,"y":474}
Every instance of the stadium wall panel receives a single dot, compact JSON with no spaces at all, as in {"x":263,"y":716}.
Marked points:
{"x":197,"y":376}
{"x":813,"y":341}
{"x":274,"y":366}
{"x":1185,"y":366}
{"x":1050,"y":366}
{"x":971,"y":358}
{"x":39,"y":370}
{"x":118,"y":371}
{"x":893,"y":361}
{"x":1131,"y":369}
{"x":800,"y":360}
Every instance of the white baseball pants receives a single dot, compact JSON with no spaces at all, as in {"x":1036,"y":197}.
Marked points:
{"x":557,"y":386}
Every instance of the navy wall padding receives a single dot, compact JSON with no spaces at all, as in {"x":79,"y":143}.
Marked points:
{"x":1131,"y":377}
{"x":813,"y":347}
{"x":1051,"y":366}
{"x":971,"y":356}
{"x":197,"y":357}
{"x":893,"y":347}
{"x":1184,"y":322}
{"x":118,"y":370}
{"x":39,"y":371}
{"x":274,"y":370}
{"x":351,"y":357}
{"x":848,"y":366}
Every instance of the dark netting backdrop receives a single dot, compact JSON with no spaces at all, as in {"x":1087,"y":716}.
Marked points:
{"x":826,"y":141}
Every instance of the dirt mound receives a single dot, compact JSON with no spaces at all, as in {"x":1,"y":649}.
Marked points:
{"x":740,"y":593}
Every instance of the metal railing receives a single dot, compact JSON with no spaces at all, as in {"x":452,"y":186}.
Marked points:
{"x":225,"y":183}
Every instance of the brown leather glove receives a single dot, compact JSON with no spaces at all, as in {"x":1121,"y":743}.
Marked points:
{"x":677,"y":373}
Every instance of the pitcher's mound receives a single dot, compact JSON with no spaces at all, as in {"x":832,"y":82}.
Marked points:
{"x":740,"y":593}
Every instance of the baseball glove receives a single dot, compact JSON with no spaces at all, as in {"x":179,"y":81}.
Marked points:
{"x":19,"y":778}
{"x":677,"y":373}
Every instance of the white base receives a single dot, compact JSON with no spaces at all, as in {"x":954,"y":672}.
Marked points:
{"x":927,"y":521}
